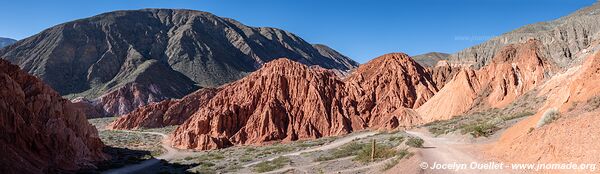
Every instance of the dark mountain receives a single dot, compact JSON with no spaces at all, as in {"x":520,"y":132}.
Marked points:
{"x":430,"y":59}
{"x":153,"y":54}
{"x":6,"y":41}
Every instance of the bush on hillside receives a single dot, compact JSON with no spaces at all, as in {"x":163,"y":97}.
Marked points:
{"x":415,"y":142}
{"x":549,"y":116}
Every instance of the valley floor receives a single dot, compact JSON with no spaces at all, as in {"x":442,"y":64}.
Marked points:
{"x":344,"y":154}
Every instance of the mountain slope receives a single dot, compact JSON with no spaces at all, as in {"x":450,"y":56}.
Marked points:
{"x":6,"y":41}
{"x":572,"y":136}
{"x":561,"y":39}
{"x":42,"y":132}
{"x":94,"y":56}
{"x":430,"y":59}
{"x":516,"y":69}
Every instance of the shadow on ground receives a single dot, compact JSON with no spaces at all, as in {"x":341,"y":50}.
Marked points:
{"x":121,"y":157}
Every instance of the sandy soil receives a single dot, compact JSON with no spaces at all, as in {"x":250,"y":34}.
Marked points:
{"x":444,"y":150}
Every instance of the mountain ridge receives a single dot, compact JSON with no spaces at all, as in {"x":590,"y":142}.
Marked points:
{"x":97,"y":56}
{"x":6,"y":41}
{"x":561,"y":39}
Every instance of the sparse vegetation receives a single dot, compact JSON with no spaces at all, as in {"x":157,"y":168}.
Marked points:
{"x":548,"y":117}
{"x":415,"y":142}
{"x":393,"y":162}
{"x":274,"y":164}
{"x":347,"y":150}
{"x":381,"y":152}
{"x":482,"y":121}
{"x":133,"y":140}
{"x":480,"y":129}
{"x":593,"y":103}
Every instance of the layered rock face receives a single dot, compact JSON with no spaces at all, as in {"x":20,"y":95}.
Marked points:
{"x":561,"y":38}
{"x":516,"y":69}
{"x":384,"y":87}
{"x":105,"y":55}
{"x":573,"y":136}
{"x":41,"y":131}
{"x":165,"y":113}
{"x":286,"y":100}
{"x":442,"y":73}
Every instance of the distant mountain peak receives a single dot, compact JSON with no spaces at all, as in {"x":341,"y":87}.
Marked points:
{"x":6,"y":41}
{"x":430,"y":59}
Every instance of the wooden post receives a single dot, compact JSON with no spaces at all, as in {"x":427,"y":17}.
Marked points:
{"x":373,"y":151}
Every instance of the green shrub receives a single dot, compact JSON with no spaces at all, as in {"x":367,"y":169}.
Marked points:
{"x":415,"y":142}
{"x":274,"y":164}
{"x":480,"y":129}
{"x":349,"y":149}
{"x":245,"y":158}
{"x":548,"y":117}
{"x":206,"y":164}
{"x":518,"y":115}
{"x":381,"y":152}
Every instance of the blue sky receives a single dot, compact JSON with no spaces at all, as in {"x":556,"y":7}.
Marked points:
{"x":360,"y":29}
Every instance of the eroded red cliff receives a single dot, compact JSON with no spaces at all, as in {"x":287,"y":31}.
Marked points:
{"x":40,"y":131}
{"x":516,"y":69}
{"x":286,"y":100}
{"x":165,"y":113}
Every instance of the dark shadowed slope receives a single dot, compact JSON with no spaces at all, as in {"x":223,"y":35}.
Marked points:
{"x":40,"y":132}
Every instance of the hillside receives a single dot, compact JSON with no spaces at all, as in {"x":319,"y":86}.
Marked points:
{"x":127,"y":59}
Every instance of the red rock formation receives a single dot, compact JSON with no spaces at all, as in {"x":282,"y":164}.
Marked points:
{"x":286,"y":100}
{"x":384,"y":87}
{"x":455,"y":98}
{"x":442,"y":73}
{"x":40,"y":131}
{"x":88,"y":107}
{"x":165,"y":113}
{"x":515,"y":69}
{"x":574,"y":136}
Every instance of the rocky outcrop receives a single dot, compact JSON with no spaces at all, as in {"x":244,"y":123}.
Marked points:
{"x":287,"y":101}
{"x":430,"y":59}
{"x":516,"y":69}
{"x":91,"y":109}
{"x":560,"y":38}
{"x":165,"y":113}
{"x":40,"y":131}
{"x":104,"y":56}
{"x":442,"y":73}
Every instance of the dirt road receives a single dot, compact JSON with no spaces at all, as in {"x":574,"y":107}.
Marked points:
{"x":170,"y":154}
{"x":450,"y":152}
{"x":332,"y":145}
